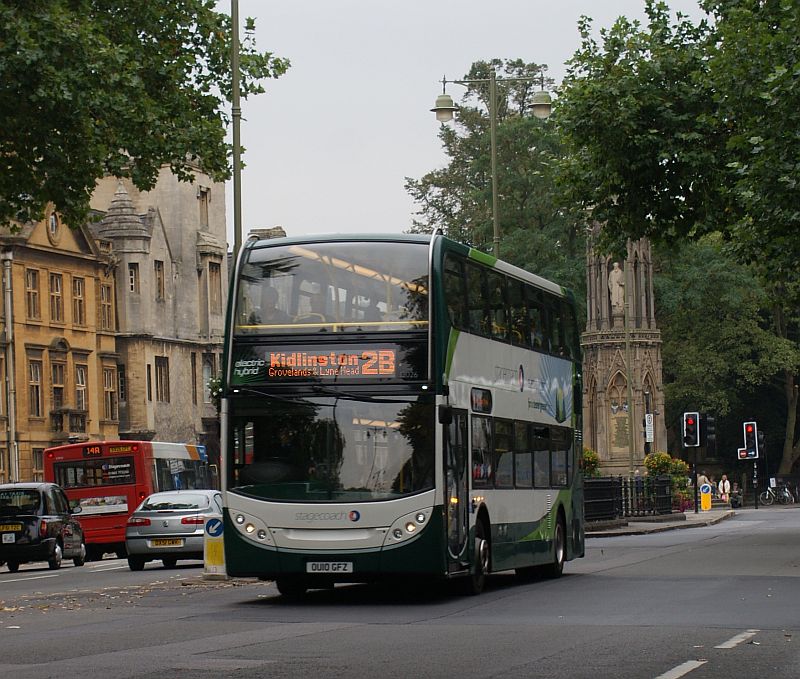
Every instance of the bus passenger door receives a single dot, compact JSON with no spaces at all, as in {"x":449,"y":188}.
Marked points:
{"x":456,"y":489}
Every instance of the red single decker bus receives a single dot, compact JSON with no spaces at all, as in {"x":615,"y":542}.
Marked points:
{"x":109,"y":479}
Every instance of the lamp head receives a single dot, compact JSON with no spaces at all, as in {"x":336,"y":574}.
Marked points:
{"x":444,"y":108}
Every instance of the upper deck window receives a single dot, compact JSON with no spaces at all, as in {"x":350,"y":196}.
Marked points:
{"x":334,"y":287}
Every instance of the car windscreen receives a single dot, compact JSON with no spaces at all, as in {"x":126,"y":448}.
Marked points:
{"x":174,"y":501}
{"x":19,"y":501}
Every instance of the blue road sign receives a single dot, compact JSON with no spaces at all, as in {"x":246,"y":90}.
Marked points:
{"x":214,"y":528}
{"x":705,"y":488}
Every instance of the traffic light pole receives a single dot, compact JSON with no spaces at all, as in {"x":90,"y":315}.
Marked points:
{"x":694,"y":483}
{"x":755,"y":482}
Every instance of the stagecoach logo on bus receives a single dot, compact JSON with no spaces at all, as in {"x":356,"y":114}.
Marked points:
{"x":378,"y":362}
{"x":353,"y":515}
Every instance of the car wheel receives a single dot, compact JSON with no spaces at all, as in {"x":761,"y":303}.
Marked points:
{"x":55,"y":559}
{"x":169,"y":561}
{"x":81,"y":558}
{"x":13,"y":566}
{"x":136,"y":563}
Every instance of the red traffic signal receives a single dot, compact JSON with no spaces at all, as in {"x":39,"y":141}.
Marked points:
{"x":691,"y":430}
{"x":750,"y":440}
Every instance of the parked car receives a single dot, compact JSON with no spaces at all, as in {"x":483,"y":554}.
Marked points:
{"x":170,"y":525}
{"x":36,"y":524}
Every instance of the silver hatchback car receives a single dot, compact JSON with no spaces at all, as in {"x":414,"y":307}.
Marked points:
{"x":169,"y":526}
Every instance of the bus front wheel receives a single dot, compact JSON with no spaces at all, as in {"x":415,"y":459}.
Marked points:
{"x":477,"y":580}
{"x":291,"y":588}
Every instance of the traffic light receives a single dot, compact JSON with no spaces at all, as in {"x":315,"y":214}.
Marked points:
{"x":691,"y":430}
{"x":751,"y":439}
{"x":709,"y":429}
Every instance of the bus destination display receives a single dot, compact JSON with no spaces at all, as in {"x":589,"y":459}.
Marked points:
{"x":318,"y":363}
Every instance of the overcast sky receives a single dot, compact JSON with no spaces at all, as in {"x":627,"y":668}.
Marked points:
{"x":328,"y":146}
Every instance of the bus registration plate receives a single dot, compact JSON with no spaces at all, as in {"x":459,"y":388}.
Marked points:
{"x":329,"y":567}
{"x":164,"y":542}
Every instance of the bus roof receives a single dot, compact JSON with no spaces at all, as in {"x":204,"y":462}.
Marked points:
{"x":256,"y":242}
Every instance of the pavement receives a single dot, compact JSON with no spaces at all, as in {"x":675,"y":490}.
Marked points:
{"x":642,"y":525}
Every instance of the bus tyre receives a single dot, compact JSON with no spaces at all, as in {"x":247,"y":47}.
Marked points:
{"x":136,"y":563}
{"x":291,"y":588}
{"x":13,"y":566}
{"x":477,"y":580}
{"x":55,"y":559}
{"x":81,"y":558}
{"x":556,"y":568}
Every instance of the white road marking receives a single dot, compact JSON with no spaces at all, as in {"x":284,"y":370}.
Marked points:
{"x":683,"y":669}
{"x":32,"y":577}
{"x":113,"y":568}
{"x":739,"y":638}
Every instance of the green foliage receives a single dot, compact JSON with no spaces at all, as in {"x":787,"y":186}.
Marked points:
{"x":676,"y":131}
{"x":658,"y":463}
{"x":591,"y":463}
{"x":714,"y":359}
{"x":214,"y":385}
{"x":538,"y":232}
{"x":95,"y":87}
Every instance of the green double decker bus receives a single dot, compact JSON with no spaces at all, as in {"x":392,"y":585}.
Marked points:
{"x":395,"y":407}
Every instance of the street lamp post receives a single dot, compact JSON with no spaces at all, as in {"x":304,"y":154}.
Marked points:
{"x":445,"y":108}
{"x":236,"y":115}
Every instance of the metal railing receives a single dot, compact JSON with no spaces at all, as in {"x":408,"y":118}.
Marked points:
{"x":617,"y":497}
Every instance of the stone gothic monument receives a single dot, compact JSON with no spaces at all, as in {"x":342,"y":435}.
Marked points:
{"x":623,"y":396}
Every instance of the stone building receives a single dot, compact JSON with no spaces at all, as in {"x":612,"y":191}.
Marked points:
{"x":58,"y":363}
{"x":169,"y":248}
{"x":623,"y":398}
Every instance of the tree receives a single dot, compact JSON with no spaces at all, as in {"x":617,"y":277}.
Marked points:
{"x":96,"y":87}
{"x":674,"y":131}
{"x":538,"y":233}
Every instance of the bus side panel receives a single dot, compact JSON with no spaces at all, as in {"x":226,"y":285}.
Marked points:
{"x":424,"y":555}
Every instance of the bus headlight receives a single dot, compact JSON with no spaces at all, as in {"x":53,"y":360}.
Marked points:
{"x":407,"y":527}
{"x":252,"y":528}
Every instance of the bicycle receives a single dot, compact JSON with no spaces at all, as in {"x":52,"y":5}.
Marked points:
{"x":783,"y":495}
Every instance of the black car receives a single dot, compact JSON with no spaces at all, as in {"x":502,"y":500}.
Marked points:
{"x":36,"y":524}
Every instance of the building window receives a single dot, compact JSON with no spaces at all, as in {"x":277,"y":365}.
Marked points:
{"x":110,"y":394}
{"x":162,"y":379}
{"x":80,"y":386}
{"x":208,"y":373}
{"x":121,"y":381}
{"x":193,"y":359}
{"x":106,"y":308}
{"x":38,"y":464}
{"x":158,"y":270}
{"x":215,"y":287}
{"x":35,"y":388}
{"x":78,"y":301}
{"x":149,"y":383}
{"x":32,"y":309}
{"x":59,"y":373}
{"x":203,"y":199}
{"x":133,"y":278}
{"x":56,"y":298}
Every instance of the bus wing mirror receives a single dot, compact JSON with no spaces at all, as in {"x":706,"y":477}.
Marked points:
{"x":445,"y":415}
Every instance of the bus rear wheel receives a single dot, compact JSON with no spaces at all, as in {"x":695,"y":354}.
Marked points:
{"x":556,"y":568}
{"x":291,"y":588}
